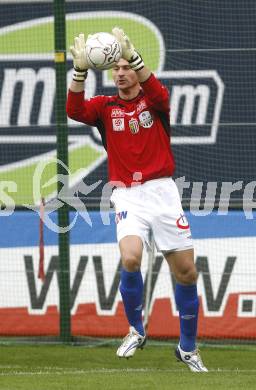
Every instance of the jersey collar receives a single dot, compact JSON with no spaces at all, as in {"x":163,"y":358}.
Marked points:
{"x":140,"y":94}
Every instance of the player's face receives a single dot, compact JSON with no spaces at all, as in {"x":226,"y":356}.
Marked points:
{"x":124,"y":77}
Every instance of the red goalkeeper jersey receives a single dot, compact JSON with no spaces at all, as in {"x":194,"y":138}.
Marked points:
{"x":135,"y":133}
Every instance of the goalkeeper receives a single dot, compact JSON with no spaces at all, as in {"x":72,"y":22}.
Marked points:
{"x":135,"y":128}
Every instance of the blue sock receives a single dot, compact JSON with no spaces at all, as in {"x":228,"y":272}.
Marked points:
{"x":188,"y":304}
{"x":131,"y":289}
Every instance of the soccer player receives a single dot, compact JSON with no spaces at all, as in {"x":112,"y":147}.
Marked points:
{"x":135,"y":129}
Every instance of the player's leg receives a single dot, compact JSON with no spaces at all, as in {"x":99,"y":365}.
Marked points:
{"x":183,"y":268}
{"x":131,"y":288}
{"x":172,"y":236}
{"x":182,"y":265}
{"x":132,"y":234}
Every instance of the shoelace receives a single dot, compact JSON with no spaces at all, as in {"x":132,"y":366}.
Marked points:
{"x":127,"y":338}
{"x":197,"y":354}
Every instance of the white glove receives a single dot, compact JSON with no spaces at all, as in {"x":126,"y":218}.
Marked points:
{"x":128,"y":51}
{"x":81,"y":65}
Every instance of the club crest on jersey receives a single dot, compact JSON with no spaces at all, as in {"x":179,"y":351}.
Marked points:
{"x":118,"y":124}
{"x":134,"y":125}
{"x":146,"y":119}
{"x":117,"y":113}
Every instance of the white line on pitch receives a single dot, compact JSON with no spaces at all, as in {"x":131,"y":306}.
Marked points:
{"x":114,"y":370}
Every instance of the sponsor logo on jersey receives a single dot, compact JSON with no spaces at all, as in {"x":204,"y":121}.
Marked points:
{"x":182,"y":222}
{"x":120,"y":216}
{"x":134,"y":125}
{"x":146,"y":119}
{"x":117,"y":113}
{"x":118,"y":124}
{"x":141,"y":106}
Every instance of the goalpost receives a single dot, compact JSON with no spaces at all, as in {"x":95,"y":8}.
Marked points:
{"x":62,"y":155}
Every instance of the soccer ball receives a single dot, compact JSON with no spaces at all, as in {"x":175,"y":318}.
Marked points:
{"x":102,"y":50}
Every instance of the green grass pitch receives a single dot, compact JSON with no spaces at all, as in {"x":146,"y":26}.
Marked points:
{"x":63,"y":367}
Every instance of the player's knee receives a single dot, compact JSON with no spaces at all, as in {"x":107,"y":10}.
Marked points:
{"x":131,"y":262}
{"x":187,"y":276}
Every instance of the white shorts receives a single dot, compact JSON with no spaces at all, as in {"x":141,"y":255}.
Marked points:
{"x":153,"y":206}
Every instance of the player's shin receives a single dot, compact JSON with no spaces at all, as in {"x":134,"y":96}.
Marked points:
{"x":188,"y":304}
{"x":131,"y":289}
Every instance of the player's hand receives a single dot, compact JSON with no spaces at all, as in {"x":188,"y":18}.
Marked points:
{"x":78,"y":53}
{"x":81,"y":65}
{"x":129,"y":53}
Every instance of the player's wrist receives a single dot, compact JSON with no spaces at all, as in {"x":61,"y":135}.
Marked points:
{"x":136,"y":62}
{"x":79,"y":74}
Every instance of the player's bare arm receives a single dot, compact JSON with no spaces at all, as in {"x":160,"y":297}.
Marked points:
{"x":143,"y":74}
